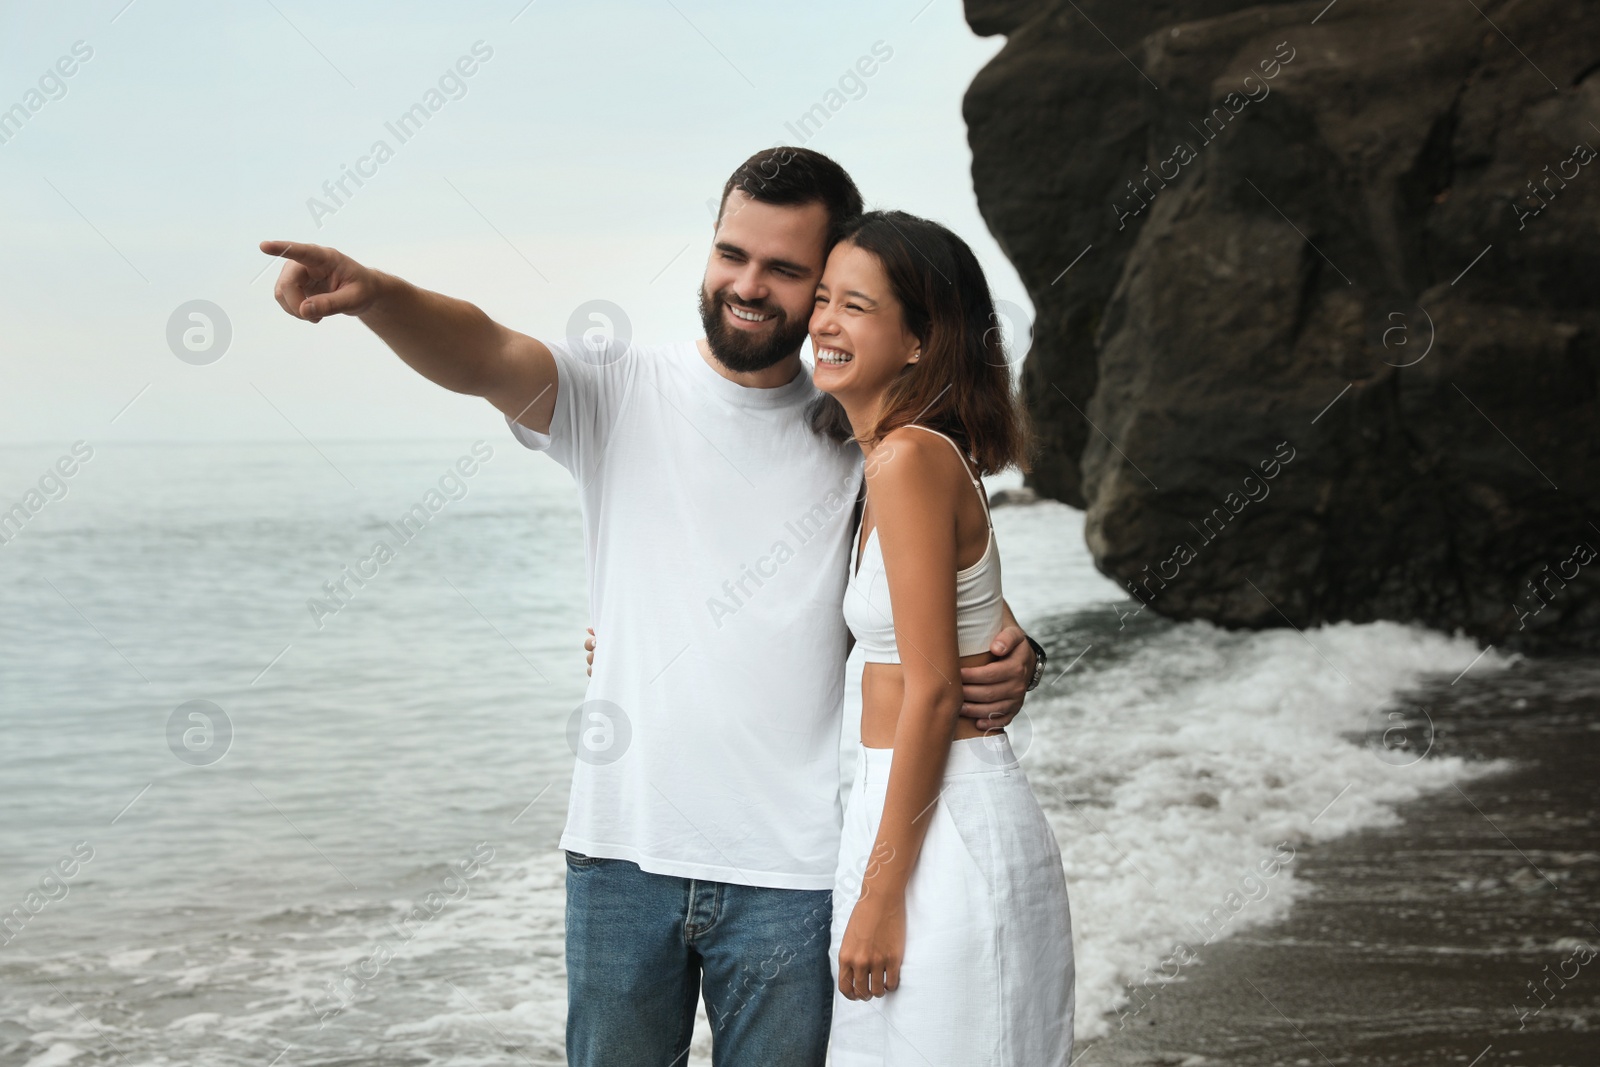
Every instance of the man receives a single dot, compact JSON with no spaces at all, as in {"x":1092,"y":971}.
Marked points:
{"x":703,"y":824}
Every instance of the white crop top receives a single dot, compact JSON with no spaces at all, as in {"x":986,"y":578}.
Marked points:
{"x":870,"y":616}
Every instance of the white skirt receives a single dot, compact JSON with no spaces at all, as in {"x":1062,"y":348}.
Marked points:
{"x":987,"y":976}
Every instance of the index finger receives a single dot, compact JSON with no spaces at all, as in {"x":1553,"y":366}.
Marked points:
{"x":310,"y":255}
{"x":986,"y":674}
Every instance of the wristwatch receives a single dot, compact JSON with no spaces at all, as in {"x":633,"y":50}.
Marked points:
{"x":1038,"y":663}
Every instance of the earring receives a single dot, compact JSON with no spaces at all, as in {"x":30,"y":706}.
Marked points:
{"x":916,"y":355}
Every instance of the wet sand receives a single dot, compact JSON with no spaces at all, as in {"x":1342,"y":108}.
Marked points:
{"x":1422,"y":942}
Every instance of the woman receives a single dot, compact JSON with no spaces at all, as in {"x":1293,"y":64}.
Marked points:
{"x":951,"y":938}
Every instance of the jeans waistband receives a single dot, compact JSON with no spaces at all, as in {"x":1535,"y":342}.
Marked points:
{"x":968,"y":755}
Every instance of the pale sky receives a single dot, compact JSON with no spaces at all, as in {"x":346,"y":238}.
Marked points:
{"x":575,"y":163}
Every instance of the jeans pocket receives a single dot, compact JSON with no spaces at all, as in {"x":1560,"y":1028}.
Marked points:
{"x":578,"y":859}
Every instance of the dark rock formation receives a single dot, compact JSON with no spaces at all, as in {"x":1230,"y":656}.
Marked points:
{"x":1329,"y":343}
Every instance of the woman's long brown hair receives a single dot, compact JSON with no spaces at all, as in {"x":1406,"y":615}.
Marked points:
{"x":961,"y":385}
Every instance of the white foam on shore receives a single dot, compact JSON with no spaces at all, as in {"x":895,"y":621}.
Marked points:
{"x":1173,"y":773}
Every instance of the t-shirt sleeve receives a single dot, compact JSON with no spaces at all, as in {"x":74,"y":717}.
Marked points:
{"x":592,"y":382}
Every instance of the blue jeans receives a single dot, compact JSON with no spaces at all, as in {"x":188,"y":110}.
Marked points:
{"x":641,"y":946}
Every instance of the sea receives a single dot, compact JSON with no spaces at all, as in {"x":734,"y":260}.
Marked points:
{"x":268,"y":798}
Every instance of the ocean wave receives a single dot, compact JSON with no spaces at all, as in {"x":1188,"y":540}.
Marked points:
{"x":1182,"y":777}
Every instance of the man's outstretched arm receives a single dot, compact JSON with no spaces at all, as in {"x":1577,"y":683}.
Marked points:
{"x":448,"y":341}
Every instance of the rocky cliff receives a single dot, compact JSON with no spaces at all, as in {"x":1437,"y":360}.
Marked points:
{"x":1317,"y":329}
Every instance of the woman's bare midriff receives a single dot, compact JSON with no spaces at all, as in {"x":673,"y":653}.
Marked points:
{"x":883,"y":689}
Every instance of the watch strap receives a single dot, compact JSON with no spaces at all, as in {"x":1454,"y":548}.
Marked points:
{"x":1038,"y":663}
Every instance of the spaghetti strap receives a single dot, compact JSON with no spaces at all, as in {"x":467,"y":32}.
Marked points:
{"x":980,"y":609}
{"x":983,"y":497}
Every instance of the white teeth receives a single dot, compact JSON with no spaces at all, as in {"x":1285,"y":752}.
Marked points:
{"x":748,"y":316}
{"x":833,"y":355}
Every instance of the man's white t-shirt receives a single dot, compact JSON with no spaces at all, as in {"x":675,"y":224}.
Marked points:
{"x":717,"y":542}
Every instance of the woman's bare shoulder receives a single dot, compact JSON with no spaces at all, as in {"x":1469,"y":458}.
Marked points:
{"x":916,"y":467}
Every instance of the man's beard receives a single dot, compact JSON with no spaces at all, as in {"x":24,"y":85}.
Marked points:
{"x":737,"y":350}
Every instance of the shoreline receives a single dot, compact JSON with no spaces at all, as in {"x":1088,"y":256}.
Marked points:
{"x":1458,"y":936}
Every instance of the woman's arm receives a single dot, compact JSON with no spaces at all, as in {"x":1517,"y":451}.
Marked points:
{"x":914,"y":498}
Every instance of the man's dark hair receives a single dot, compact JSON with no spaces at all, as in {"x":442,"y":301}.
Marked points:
{"x":787,"y":175}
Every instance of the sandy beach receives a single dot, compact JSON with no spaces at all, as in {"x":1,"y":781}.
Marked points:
{"x":1465,"y":934}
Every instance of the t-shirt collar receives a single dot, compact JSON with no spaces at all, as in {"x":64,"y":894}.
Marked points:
{"x":744,"y":395}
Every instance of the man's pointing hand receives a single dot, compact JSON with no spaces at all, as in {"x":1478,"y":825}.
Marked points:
{"x":319,"y":281}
